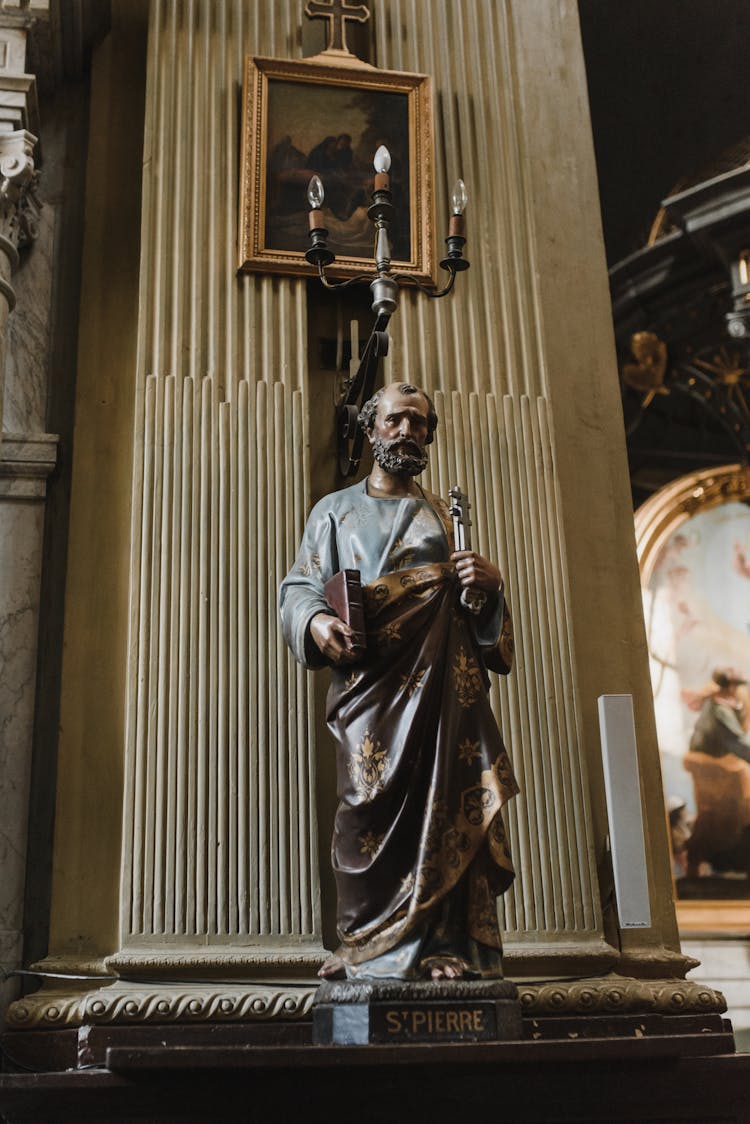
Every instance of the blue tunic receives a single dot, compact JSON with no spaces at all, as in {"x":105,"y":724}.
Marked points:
{"x":375,"y":535}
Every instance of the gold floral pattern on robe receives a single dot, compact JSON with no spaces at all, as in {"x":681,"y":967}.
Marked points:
{"x":467,"y":678}
{"x":468,"y":751}
{"x":413,"y":681}
{"x":368,"y":767}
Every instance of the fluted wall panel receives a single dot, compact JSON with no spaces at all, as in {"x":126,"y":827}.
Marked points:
{"x":220,"y":837}
{"x":508,"y":471}
{"x":486,"y":335}
{"x":221,"y":799}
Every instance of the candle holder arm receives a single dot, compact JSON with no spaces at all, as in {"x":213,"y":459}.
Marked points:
{"x":406,"y":278}
{"x":358,"y":280}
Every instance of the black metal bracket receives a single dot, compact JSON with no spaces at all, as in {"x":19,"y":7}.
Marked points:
{"x":351,"y":436}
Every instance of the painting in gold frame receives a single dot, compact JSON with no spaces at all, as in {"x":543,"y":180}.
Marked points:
{"x":693,"y":541}
{"x":302,"y":117}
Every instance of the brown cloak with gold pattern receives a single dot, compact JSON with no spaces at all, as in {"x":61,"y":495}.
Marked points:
{"x":422,"y":770}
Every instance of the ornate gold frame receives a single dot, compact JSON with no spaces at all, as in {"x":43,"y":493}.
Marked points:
{"x":655,"y":521}
{"x":326,"y":71}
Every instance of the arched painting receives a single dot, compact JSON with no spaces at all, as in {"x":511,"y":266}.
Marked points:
{"x":694,"y":553}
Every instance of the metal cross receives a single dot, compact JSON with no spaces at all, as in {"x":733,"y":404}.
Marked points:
{"x":337,"y":12}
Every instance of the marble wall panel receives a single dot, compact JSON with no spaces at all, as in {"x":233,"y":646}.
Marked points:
{"x":20,"y":568}
{"x":27,"y":355}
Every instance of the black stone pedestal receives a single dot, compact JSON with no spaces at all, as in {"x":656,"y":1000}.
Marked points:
{"x":364,"y":1012}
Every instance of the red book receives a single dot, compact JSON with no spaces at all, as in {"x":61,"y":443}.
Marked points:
{"x":343,"y":593}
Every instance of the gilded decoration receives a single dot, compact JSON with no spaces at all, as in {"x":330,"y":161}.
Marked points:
{"x":391,"y":634}
{"x":123,"y":1004}
{"x":468,"y":751}
{"x":418,"y":583}
{"x":645,"y":373}
{"x":291,"y":108}
{"x":368,"y":768}
{"x":390,"y":588}
{"x":400,"y":556}
{"x":692,"y":539}
{"x":374,"y":596}
{"x":467,"y":678}
{"x":306,"y":569}
{"x":127,"y":1004}
{"x":498,"y":838}
{"x":413,"y":681}
{"x":621,"y":995}
{"x":407,"y":883}
{"x":506,"y":645}
{"x":370,"y":842}
{"x":477,"y":802}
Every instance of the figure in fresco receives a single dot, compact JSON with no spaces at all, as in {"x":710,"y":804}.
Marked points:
{"x":680,"y":829}
{"x":697,"y":608}
{"x":719,"y":762}
{"x":419,"y":849}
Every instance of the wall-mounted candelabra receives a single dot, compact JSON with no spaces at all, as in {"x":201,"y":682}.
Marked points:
{"x":384,"y":288}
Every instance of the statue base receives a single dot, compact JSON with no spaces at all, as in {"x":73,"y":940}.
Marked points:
{"x":367,"y":1012}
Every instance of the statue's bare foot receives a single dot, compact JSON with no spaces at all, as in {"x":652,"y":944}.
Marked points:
{"x":333,"y":969}
{"x":446,"y":972}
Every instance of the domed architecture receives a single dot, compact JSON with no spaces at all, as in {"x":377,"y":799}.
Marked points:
{"x":681,"y":308}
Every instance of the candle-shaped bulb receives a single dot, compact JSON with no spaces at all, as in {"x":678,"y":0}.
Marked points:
{"x":459,"y":198}
{"x":382,"y":159}
{"x":315,"y":193}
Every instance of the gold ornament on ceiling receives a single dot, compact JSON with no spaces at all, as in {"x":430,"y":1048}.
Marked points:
{"x":646,"y":374}
{"x":730,"y":372}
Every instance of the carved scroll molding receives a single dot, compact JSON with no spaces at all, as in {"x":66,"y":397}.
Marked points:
{"x":128,"y":1004}
{"x":619,"y":995}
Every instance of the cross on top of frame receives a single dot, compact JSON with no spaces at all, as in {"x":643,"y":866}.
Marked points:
{"x":337,"y":12}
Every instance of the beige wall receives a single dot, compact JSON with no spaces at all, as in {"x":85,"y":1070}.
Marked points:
{"x":89,"y":806}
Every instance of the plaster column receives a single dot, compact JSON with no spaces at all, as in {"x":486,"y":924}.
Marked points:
{"x":25,"y":464}
{"x":27,"y":456}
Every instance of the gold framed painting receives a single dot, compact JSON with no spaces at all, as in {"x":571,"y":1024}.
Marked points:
{"x":693,"y":541}
{"x":304,"y":117}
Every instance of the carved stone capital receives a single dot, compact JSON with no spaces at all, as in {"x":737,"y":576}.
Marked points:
{"x":615,"y":994}
{"x":19,"y":205}
{"x":131,"y":1004}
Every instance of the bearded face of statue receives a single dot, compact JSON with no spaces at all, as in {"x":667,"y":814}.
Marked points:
{"x":399,"y":432}
{"x":399,"y":457}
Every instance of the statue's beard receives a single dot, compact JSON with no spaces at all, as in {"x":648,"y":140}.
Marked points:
{"x":399,"y":456}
